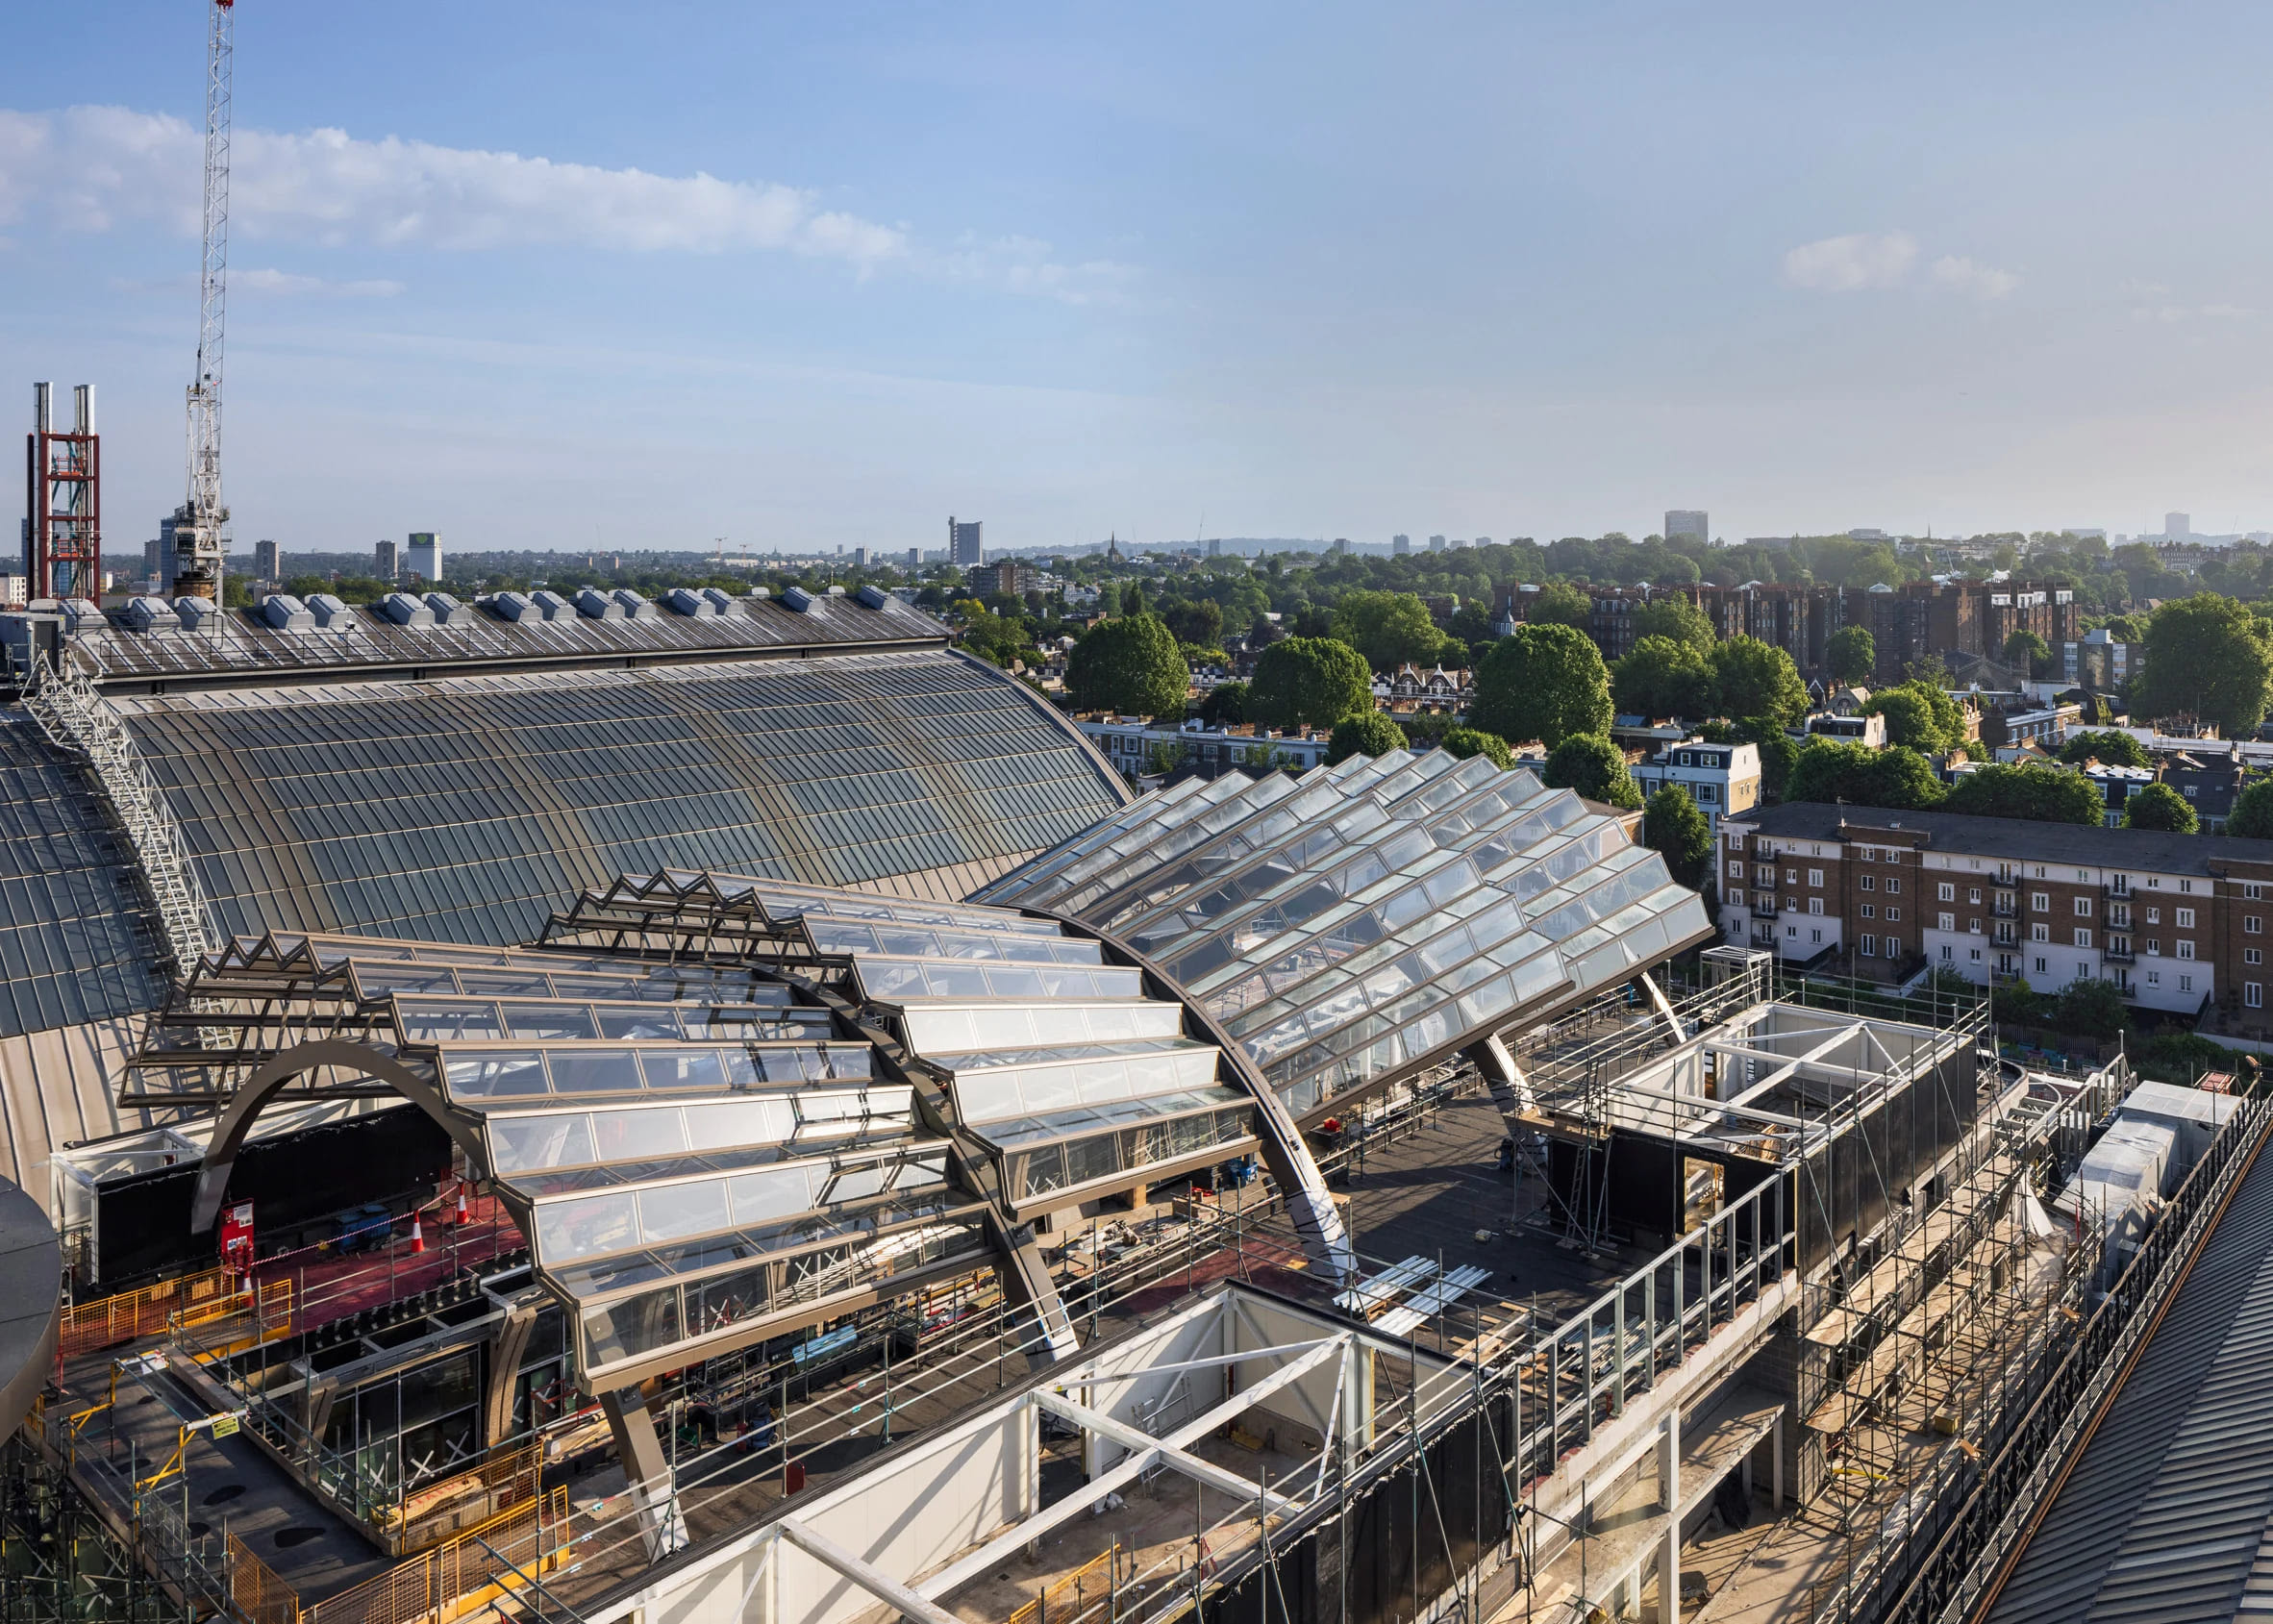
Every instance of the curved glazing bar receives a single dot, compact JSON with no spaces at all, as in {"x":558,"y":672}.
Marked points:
{"x":903,"y":980}
{"x":475,"y":1074}
{"x":525,"y":1143}
{"x":1008,"y":1091}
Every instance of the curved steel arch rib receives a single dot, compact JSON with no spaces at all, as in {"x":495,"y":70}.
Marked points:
{"x":254,"y":1095}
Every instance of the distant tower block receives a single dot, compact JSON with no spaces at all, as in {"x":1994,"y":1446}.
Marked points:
{"x":964,"y":550}
{"x":63,"y":500}
{"x":1687,"y":524}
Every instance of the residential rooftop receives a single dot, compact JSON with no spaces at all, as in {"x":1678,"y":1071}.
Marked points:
{"x":2022,"y":839}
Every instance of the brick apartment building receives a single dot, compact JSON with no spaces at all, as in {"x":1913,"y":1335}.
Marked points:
{"x":2177,"y":922}
{"x":1952,"y":620}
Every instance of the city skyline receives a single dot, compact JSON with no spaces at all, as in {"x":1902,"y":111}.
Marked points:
{"x":1084,"y":275}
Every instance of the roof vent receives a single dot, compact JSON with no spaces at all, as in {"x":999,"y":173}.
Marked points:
{"x":330,"y":612}
{"x":685,"y":600}
{"x":721,"y":601}
{"x":762,"y":591}
{"x":874,"y":596}
{"x":635,"y":607}
{"x":194,"y":613}
{"x":798,"y":599}
{"x":283,"y":612}
{"x":513,"y":606}
{"x":405,"y":610}
{"x":150,"y":614}
{"x":593,"y":605}
{"x":551,"y":606}
{"x":448,"y":611}
{"x":837,"y":591}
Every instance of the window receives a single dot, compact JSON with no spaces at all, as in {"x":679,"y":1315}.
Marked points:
{"x":1766,"y":875}
{"x":1818,"y":936}
{"x":1947,"y":921}
{"x":2187,"y":792}
{"x":1816,"y":877}
{"x":1708,"y":794}
{"x":2253,"y":995}
{"x":2154,"y":915}
{"x":2083,"y":908}
{"x":2185,"y":887}
{"x":2186,"y":950}
{"x":2186,"y":984}
{"x":2154,"y":946}
{"x":2185,"y":918}
{"x":1974,"y":926}
{"x":1869,"y":910}
{"x":2253,"y":924}
{"x":1893,"y":947}
{"x":2154,"y":978}
{"x":1792,"y":905}
{"x":1893,"y":885}
{"x":1870,"y":883}
{"x":2253,"y":891}
{"x":2083,"y":937}
{"x":1735,"y":868}
{"x":1892,"y":914}
{"x":1946,"y":892}
{"x":2039,"y":902}
{"x":1815,"y":906}
{"x":2039,"y":932}
{"x":1791,"y":876}
{"x":1948,"y":952}
{"x":2252,"y":956}
{"x":1974,"y":953}
{"x":1871,"y":947}
{"x":1973,"y":896}
{"x":2039,"y":966}
{"x":1735,"y":899}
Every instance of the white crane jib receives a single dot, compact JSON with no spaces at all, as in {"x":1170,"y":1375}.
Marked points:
{"x":199,"y":534}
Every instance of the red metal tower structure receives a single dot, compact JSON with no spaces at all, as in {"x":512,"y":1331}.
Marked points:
{"x":63,"y":500}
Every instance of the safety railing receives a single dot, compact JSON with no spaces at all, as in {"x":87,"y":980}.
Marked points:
{"x":256,"y":1594}
{"x":1066,"y":1599}
{"x":129,"y":1316}
{"x":512,"y":1549}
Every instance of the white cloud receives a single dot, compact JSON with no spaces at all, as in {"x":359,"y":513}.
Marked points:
{"x":289,"y":284}
{"x":96,"y":168}
{"x":2170,"y":316}
{"x":1964,"y":276}
{"x":1846,"y":265}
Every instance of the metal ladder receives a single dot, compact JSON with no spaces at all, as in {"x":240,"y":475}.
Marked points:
{"x":81,"y":723}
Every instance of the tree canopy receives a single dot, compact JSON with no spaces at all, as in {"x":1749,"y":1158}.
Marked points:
{"x":1312,"y":682}
{"x":1834,"y":769}
{"x":2252,"y":817}
{"x":2024,"y":648}
{"x":1545,"y":683}
{"x":1664,"y":677}
{"x":1225,"y":705}
{"x":1672,"y":826}
{"x":1132,"y":665}
{"x":1389,"y":629}
{"x":1595,"y":767}
{"x":2111,"y":747}
{"x":1676,"y":619}
{"x":2206,"y":658}
{"x":1465,"y":742}
{"x":2158,"y":806}
{"x":1363,"y":733}
{"x":2034,"y":790}
{"x":1758,"y":679}
{"x":1560,"y":603}
{"x":1919,"y":714}
{"x":1852,"y":652}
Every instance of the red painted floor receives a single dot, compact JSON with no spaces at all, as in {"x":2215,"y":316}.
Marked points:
{"x":327,"y":1287}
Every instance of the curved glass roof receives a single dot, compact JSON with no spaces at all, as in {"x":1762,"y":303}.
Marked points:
{"x":1360,"y":921}
{"x":466,"y":808}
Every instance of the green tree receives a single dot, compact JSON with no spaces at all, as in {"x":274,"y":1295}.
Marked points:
{"x":1465,"y":742}
{"x":2160,"y":807}
{"x":1660,"y":677}
{"x":1389,"y":629}
{"x":1778,"y":752}
{"x":1131,"y":666}
{"x":1672,"y":826}
{"x":1545,"y":683}
{"x":1676,"y":619}
{"x":1918,"y":714}
{"x":1363,"y":733}
{"x":1312,"y":682}
{"x":2026,"y":649}
{"x":2111,"y":747}
{"x":2206,"y":658}
{"x":1758,"y":679}
{"x":1595,"y":767}
{"x":1164,"y":755}
{"x":1852,"y":652}
{"x":1199,"y":622}
{"x":2252,"y":817}
{"x":1225,"y":705}
{"x":1833,"y":769}
{"x":2091,"y":1009}
{"x":2033,"y":790}
{"x":1560,"y":603}
{"x":997,"y":638}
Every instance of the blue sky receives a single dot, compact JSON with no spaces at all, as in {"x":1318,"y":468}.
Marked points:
{"x":1299,"y":270}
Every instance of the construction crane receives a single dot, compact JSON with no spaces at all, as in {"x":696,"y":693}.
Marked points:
{"x":198,"y":527}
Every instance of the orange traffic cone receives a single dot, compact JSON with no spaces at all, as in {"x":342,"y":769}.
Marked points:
{"x":417,"y":1238}
{"x":462,"y":1216}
